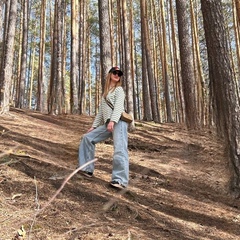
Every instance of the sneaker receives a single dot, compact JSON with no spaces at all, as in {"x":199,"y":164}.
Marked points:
{"x":117,"y":185}
{"x":86,"y":174}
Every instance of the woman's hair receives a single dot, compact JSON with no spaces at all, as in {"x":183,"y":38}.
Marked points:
{"x":107,"y":85}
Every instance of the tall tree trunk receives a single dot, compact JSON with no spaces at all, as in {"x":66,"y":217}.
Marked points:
{"x":236,"y":25}
{"x":176,"y":72}
{"x":74,"y":108}
{"x":225,"y":102}
{"x":4,"y":36}
{"x":18,"y":74}
{"x":137,"y":99}
{"x":56,"y":90}
{"x":187,"y":65}
{"x":21,"y":90}
{"x":105,"y":42}
{"x":30,"y":103}
{"x":1,"y":22}
{"x":132,"y":59}
{"x":237,"y":2}
{"x":147,"y":111}
{"x":157,"y":50}
{"x":60,"y":32}
{"x":83,"y":58}
{"x":165,"y":65}
{"x":40,"y":91}
{"x":151,"y":78}
{"x":6,"y":73}
{"x":198,"y":70}
{"x":65,"y":98}
{"x":127,"y":51}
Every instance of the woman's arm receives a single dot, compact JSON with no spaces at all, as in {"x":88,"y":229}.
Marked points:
{"x":99,"y":117}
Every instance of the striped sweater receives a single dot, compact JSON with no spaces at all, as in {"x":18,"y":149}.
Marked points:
{"x":105,"y":112}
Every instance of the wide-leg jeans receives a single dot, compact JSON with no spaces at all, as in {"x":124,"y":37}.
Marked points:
{"x":120,"y":171}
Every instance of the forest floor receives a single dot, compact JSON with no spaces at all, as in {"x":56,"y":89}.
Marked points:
{"x":178,"y":189}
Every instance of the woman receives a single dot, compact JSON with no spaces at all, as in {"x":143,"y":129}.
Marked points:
{"x":107,"y":124}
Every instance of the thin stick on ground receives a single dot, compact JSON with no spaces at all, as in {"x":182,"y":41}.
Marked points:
{"x":57,"y":192}
{"x":63,"y":184}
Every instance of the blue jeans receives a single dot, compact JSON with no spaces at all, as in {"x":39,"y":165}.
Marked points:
{"x":120,"y":171}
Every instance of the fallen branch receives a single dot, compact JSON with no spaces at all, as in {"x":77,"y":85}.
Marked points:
{"x":57,"y":192}
{"x":63,"y":184}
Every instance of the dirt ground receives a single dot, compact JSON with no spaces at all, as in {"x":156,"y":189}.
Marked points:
{"x":178,"y":187}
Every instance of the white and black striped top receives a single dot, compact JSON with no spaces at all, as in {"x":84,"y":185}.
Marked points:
{"x":105,"y":112}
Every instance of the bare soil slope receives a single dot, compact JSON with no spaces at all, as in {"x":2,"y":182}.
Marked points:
{"x":178,"y":188}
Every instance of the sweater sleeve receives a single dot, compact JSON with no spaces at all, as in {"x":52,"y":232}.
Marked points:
{"x":99,"y":117}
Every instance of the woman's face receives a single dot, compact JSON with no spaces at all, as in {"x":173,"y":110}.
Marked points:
{"x":115,"y":76}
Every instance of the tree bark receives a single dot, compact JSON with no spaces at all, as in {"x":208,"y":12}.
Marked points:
{"x":147,"y":112}
{"x":225,"y":102}
{"x":40,"y":90}
{"x":165,"y":65}
{"x":127,"y":75}
{"x":105,"y":42}
{"x":6,"y":74}
{"x":74,"y":108}
{"x":21,"y":89}
{"x":56,"y":89}
{"x":237,"y":2}
{"x":187,"y":65}
{"x":151,"y":78}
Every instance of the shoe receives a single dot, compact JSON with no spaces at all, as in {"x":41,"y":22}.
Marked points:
{"x":86,"y":174}
{"x":117,"y":185}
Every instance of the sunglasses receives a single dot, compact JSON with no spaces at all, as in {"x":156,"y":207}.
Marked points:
{"x":117,"y":73}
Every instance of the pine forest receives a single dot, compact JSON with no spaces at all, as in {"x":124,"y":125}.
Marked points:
{"x":180,"y":61}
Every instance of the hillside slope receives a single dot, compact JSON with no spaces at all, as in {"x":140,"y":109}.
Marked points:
{"x":178,"y":188}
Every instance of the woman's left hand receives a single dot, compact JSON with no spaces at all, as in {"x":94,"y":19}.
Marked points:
{"x":110,"y":126}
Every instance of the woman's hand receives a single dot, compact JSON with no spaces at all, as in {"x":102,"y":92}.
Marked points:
{"x":90,"y":129}
{"x":110,"y":126}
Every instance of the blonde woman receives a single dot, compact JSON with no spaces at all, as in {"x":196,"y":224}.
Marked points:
{"x":107,"y":123}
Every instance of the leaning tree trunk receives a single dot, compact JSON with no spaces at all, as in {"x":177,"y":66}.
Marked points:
{"x":225,"y":102}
